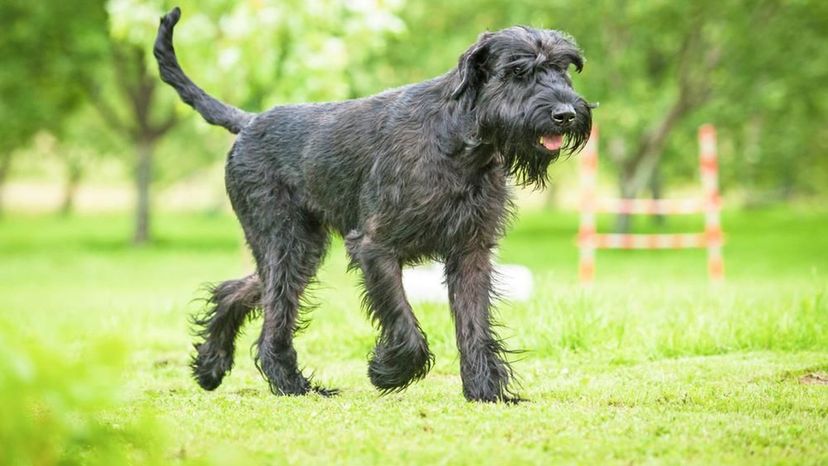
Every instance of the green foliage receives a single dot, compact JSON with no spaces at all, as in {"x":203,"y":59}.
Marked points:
{"x":258,"y":54}
{"x":47,"y":49}
{"x":769,"y":96}
{"x":56,"y":398}
{"x":753,"y":69}
{"x":243,"y":48}
{"x":656,"y":67}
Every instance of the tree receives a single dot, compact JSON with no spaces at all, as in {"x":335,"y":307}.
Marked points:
{"x":769,"y":102}
{"x":675,"y":48}
{"x":660,"y":68}
{"x":252,"y":54}
{"x":84,"y":142}
{"x":140,"y":127}
{"x":47,"y":47}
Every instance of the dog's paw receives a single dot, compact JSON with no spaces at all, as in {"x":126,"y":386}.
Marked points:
{"x":394,"y":367}
{"x":209,"y":368}
{"x":209,"y":381}
{"x":297,"y":385}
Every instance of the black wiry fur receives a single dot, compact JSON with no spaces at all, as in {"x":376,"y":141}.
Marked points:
{"x":229,"y":304}
{"x":214,"y":111}
{"x":414,"y":173}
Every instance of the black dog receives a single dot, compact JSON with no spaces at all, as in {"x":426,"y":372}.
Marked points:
{"x":419,"y":172}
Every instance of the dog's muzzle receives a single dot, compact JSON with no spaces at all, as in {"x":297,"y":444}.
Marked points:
{"x":564,"y":115}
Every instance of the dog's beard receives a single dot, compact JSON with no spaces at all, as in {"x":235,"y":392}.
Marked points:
{"x":527,"y":164}
{"x":526,"y":157}
{"x":576,"y":138}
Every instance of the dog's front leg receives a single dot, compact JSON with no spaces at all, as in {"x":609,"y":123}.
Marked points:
{"x":483,"y":368}
{"x":401,"y":355}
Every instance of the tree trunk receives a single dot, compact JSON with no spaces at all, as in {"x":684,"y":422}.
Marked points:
{"x":143,"y":179}
{"x":656,"y":188}
{"x":637,"y":172}
{"x":623,"y":222}
{"x":693,"y":90}
{"x":74,"y":172}
{"x":5,"y":166}
{"x":137,"y":85}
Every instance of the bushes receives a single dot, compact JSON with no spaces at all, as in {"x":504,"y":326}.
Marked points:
{"x":54,"y":399}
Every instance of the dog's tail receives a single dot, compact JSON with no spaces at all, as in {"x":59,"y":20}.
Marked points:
{"x":214,"y":111}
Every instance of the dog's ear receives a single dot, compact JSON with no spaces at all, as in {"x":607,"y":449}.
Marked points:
{"x":471,"y":68}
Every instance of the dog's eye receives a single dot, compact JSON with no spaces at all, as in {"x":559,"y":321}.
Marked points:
{"x":516,"y":71}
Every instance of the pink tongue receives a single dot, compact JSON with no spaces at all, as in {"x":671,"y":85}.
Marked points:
{"x":552,"y":142}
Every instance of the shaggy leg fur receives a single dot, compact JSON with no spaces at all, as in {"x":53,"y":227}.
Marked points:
{"x":287,"y":263}
{"x":483,"y":368}
{"x":230,"y":303}
{"x":288,"y":246}
{"x":401,"y":355}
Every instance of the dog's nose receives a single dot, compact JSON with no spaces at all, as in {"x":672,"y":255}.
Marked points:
{"x":563,"y":114}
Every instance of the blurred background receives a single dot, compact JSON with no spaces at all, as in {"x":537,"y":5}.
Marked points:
{"x":90,"y":127}
{"x":113,"y":212}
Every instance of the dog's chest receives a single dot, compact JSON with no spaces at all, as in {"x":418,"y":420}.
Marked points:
{"x":449,"y":214}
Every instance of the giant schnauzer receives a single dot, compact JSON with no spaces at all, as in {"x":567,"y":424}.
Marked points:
{"x":414,"y":173}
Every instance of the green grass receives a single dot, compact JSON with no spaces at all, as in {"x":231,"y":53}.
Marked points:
{"x":652,"y":365}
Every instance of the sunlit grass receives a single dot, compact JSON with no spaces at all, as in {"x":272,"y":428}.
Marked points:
{"x":651,"y":365}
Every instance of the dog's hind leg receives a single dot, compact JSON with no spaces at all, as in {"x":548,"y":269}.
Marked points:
{"x":485,"y":372}
{"x":229,"y":303}
{"x":288,"y":251}
{"x":401,"y":355}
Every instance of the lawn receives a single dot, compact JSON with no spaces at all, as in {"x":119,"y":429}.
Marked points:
{"x":652,"y":365}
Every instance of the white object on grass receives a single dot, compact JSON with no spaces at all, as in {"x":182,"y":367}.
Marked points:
{"x":425,"y":283}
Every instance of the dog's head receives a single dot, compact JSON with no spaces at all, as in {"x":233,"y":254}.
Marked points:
{"x":516,"y":83}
